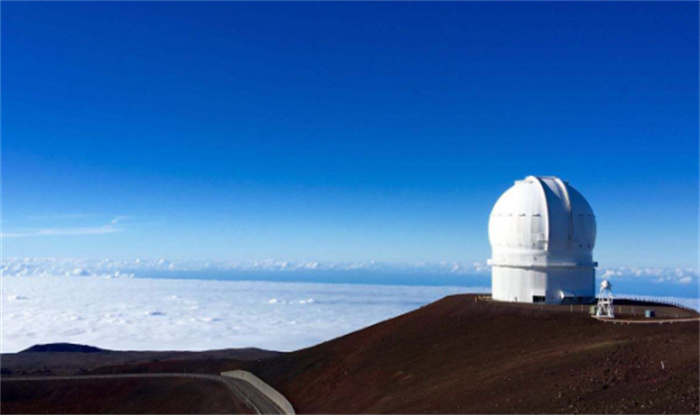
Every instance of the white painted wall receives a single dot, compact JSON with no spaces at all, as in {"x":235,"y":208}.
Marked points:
{"x":521,"y":284}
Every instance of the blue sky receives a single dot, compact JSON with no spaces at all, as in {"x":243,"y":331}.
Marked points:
{"x":342,"y":131}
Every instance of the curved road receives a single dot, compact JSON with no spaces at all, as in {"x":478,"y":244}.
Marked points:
{"x":244,"y":390}
{"x":650,"y":321}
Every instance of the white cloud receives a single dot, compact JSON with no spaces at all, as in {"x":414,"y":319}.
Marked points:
{"x":46,"y":266}
{"x":163,"y":264}
{"x":38,"y":267}
{"x":96,"y":230}
{"x":159,"y":314}
{"x":62,"y":216}
{"x":96,"y":302}
{"x":111,"y":227}
{"x":685,"y":280}
{"x":673,"y":275}
{"x":118,"y":219}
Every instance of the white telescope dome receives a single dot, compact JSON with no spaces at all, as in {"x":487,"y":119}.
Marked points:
{"x":542,"y":229}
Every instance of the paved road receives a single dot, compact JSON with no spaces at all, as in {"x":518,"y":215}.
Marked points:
{"x":244,"y":390}
{"x":647,"y":321}
{"x":252,"y":395}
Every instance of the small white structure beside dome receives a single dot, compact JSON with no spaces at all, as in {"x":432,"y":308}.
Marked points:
{"x":542,"y":233}
{"x":605,"y":301}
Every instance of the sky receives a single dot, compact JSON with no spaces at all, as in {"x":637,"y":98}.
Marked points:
{"x":342,"y":131}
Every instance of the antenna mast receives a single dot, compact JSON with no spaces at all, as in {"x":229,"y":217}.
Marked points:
{"x":605,"y":301}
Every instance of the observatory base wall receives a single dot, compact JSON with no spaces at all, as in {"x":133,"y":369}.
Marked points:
{"x":552,"y":285}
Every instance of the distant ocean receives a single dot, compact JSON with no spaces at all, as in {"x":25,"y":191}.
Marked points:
{"x":630,"y":286}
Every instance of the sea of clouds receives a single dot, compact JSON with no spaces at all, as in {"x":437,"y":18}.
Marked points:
{"x":100,"y":303}
{"x":162,"y":314}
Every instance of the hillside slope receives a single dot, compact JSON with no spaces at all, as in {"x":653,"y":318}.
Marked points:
{"x":39,"y":362}
{"x":462,"y":356}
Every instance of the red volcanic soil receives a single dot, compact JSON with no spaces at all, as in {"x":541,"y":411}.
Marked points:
{"x":456,"y":355}
{"x":462,"y":356}
{"x":160,"y":395}
{"x":36,"y":362}
{"x":121,"y":396}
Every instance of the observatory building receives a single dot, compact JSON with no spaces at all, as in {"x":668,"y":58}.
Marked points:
{"x":542,"y":233}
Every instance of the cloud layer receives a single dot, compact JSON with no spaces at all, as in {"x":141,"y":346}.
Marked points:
{"x":111,"y":227}
{"x":98,"y":302}
{"x":97,"y":230}
{"x":160,"y":314}
{"x":68,"y":266}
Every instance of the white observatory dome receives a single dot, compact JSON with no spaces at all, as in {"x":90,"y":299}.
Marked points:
{"x":542,"y":233}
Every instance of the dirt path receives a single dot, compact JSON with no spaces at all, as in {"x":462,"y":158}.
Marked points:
{"x":647,"y":321}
